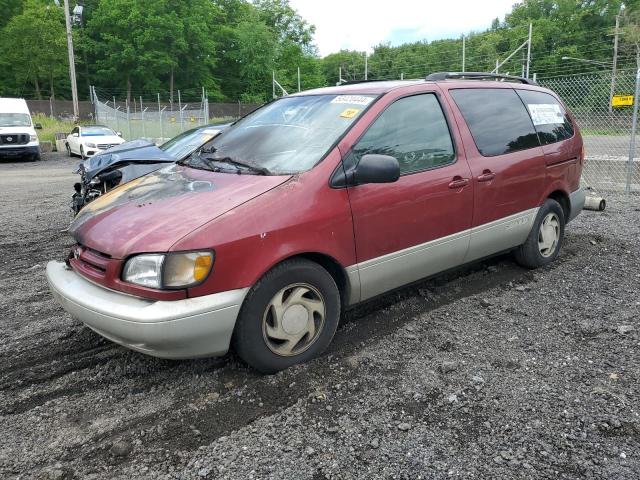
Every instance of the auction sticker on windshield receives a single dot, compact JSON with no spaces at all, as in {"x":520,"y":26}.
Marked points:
{"x":350,"y":112}
{"x":353,"y":100}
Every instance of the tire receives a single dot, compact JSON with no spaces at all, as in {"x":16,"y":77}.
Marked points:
{"x":69,"y":150}
{"x":82,"y":152}
{"x":538,"y":251}
{"x":297,"y":298}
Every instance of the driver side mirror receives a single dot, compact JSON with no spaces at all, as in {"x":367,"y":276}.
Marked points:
{"x":119,"y":134}
{"x":38,"y":126}
{"x":374,"y":168}
{"x":75,"y":134}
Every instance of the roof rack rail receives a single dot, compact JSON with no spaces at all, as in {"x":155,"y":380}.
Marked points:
{"x":434,"y":77}
{"x":353,"y":82}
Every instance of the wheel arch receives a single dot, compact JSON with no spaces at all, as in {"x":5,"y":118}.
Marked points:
{"x":562,"y":198}
{"x":331,"y":265}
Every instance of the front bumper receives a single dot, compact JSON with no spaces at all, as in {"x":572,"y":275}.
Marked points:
{"x":20,"y":151}
{"x":190,"y":328}
{"x":576,"y":202}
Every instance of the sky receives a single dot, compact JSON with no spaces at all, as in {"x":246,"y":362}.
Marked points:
{"x":363,"y":24}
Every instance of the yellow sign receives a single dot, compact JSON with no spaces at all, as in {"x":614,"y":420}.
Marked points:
{"x":350,"y":113}
{"x":622,"y":100}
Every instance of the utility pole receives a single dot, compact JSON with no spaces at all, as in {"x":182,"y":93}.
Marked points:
{"x":615,"y":64}
{"x":366,"y":66}
{"x":529,"y":50}
{"x":463,"y":52}
{"x":298,"y":78}
{"x":72,"y":62}
{"x":634,"y":126}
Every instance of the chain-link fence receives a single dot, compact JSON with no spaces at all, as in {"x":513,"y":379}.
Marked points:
{"x":606,"y":130}
{"x":159,"y":121}
{"x":153,"y":121}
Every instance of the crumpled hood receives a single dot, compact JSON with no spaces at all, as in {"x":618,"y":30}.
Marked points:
{"x":151,"y":213}
{"x":136,"y":150}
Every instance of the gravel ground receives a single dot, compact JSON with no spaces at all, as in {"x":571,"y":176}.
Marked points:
{"x":488,"y":372}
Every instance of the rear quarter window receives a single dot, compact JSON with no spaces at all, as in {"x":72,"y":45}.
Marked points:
{"x":497,"y":119}
{"x":549,"y":117}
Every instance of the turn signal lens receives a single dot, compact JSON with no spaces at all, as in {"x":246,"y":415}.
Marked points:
{"x":186,"y":269}
{"x":202,"y":267}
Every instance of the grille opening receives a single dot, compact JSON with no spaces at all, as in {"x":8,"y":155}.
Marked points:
{"x":14,"y":139}
{"x":91,"y":259}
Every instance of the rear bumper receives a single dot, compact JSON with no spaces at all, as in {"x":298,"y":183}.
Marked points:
{"x":576,"y":202}
{"x":191,"y":328}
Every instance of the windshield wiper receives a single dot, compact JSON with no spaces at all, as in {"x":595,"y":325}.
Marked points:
{"x":238,"y":163}
{"x":208,"y":163}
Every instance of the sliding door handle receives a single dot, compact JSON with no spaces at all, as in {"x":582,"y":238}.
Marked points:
{"x":486,"y":176}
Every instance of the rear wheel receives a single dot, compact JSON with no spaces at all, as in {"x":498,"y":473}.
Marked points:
{"x":288,"y":317}
{"x":545,"y":239}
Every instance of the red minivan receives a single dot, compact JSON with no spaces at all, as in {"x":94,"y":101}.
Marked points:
{"x":318,"y":201}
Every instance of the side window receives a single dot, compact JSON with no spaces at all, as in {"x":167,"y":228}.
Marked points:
{"x":75,"y":130}
{"x":497,"y":118}
{"x":549,"y":117}
{"x":413,"y":130}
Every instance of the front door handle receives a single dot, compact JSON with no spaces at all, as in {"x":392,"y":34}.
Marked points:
{"x":458,"y":182}
{"x":487,"y":176}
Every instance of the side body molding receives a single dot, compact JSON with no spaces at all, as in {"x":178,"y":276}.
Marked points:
{"x":378,"y":275}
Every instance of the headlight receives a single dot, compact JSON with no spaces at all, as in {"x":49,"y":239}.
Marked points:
{"x":173,"y":270}
{"x":33,"y":138}
{"x":91,"y":145}
{"x":145,"y":270}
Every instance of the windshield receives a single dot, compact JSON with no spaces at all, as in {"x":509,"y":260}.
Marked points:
{"x":96,"y":131}
{"x":185,"y":143}
{"x":289,"y":135}
{"x":15,"y":120}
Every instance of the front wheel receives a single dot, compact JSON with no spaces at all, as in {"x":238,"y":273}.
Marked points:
{"x":69,"y":150}
{"x":82,"y":152}
{"x":288,"y":317}
{"x":545,"y":239}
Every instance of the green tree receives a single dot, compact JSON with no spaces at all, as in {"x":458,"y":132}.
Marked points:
{"x":350,"y":62}
{"x":33,"y":49}
{"x":630,"y":33}
{"x":9,"y":9}
{"x":148,"y":44}
{"x":287,"y":24}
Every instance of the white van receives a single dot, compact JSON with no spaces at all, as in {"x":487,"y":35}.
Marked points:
{"x":18,"y":138}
